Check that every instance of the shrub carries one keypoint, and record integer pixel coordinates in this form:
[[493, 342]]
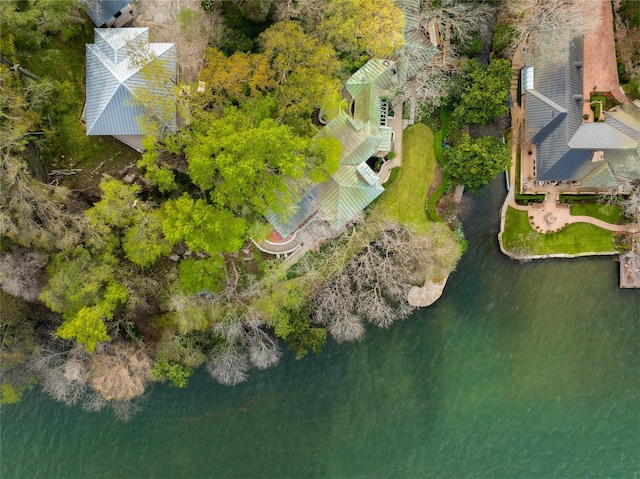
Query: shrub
[[503, 36], [208, 5]]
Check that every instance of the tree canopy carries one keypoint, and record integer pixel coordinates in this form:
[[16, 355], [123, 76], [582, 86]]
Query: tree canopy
[[201, 226], [84, 289], [244, 165], [486, 92], [358, 26], [475, 162]]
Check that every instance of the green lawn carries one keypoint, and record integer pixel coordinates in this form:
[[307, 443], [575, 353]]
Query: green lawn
[[575, 238], [405, 199], [609, 213]]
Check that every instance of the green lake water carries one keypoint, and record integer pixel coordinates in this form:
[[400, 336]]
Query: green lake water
[[518, 371]]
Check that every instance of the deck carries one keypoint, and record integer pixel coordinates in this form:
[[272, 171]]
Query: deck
[[630, 270]]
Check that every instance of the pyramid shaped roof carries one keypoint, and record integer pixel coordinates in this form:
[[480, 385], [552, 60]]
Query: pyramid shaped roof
[[113, 75]]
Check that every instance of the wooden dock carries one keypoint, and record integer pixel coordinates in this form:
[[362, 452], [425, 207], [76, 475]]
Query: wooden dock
[[630, 270]]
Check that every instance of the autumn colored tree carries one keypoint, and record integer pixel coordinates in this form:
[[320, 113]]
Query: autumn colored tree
[[234, 79], [358, 26], [305, 73]]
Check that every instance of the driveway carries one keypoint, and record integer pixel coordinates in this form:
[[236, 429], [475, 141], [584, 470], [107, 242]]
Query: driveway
[[600, 67]]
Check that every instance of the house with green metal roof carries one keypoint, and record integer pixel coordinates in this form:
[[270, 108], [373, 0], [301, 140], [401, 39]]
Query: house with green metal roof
[[349, 190], [363, 134], [368, 91], [564, 147], [113, 76]]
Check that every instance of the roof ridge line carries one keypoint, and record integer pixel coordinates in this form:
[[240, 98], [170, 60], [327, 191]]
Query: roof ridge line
[[104, 107], [547, 100]]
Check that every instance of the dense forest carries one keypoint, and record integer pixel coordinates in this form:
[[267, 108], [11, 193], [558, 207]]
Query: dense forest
[[121, 268]]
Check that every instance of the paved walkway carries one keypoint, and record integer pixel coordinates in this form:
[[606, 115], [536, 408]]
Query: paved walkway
[[397, 126], [551, 216]]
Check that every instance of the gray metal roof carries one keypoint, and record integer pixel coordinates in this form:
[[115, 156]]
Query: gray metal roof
[[626, 118], [600, 177], [102, 10], [565, 145], [543, 116], [113, 77], [572, 165], [600, 136], [554, 108]]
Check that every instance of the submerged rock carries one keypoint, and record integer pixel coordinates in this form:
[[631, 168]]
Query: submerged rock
[[427, 294]]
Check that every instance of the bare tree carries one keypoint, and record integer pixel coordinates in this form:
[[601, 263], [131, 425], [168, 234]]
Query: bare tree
[[456, 20], [548, 22], [34, 214], [382, 275], [22, 273], [429, 87], [627, 190], [262, 349], [228, 364], [119, 371], [310, 12], [374, 284], [63, 372], [125, 410], [94, 402]]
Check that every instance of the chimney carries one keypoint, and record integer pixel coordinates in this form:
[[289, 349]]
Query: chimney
[[577, 97], [577, 64]]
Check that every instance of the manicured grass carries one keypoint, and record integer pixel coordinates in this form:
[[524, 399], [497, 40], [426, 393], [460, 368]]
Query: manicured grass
[[609, 213], [405, 199], [575, 238]]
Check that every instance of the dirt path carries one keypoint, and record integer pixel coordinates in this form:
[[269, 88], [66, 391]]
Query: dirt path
[[163, 19]]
